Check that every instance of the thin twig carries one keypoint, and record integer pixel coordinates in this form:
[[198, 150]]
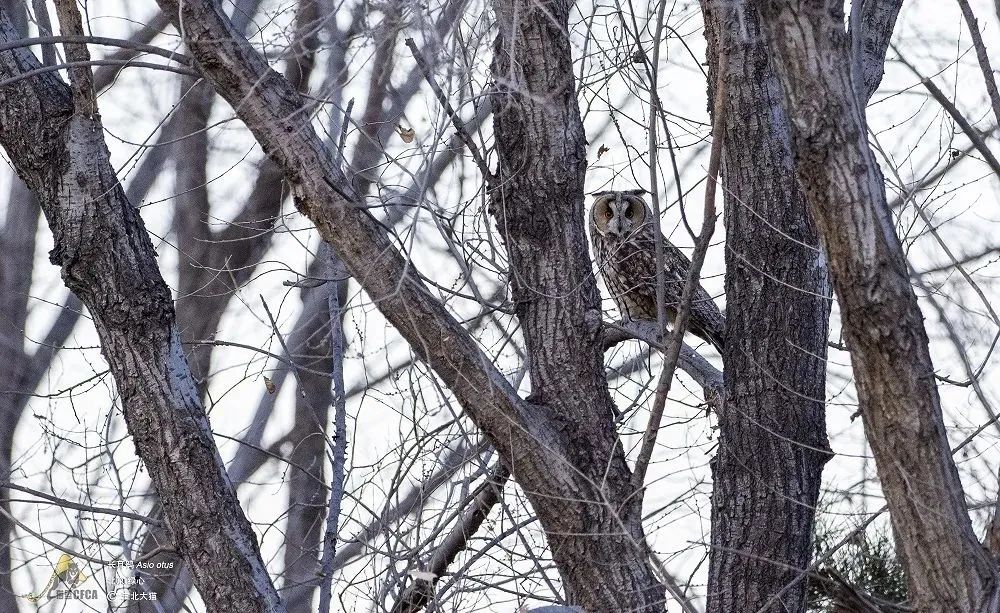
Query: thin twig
[[675, 339], [936, 176], [982, 56], [51, 543], [421, 589], [152, 28], [27, 74], [180, 58], [342, 140], [455, 119], [970, 132], [339, 447], [76, 506]]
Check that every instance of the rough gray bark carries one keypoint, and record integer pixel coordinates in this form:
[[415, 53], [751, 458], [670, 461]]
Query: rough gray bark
[[577, 490], [23, 368], [213, 264], [772, 429], [54, 138], [772, 434], [539, 212], [947, 568]]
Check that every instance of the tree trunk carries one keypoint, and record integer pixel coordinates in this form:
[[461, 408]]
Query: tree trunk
[[17, 255], [580, 492], [772, 430], [947, 568], [599, 547], [307, 492], [55, 140]]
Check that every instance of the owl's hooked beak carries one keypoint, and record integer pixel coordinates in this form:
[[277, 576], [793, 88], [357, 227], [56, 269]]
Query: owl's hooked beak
[[614, 228]]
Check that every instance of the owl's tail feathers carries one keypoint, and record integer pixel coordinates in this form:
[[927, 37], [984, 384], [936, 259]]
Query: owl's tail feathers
[[714, 333]]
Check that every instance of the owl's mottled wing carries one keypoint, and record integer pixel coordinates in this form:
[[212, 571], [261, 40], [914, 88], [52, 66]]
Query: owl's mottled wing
[[627, 266], [629, 270], [707, 321]]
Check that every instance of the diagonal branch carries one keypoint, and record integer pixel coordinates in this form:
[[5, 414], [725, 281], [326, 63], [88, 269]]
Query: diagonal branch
[[982, 56], [421, 590], [321, 191], [105, 75], [675, 339]]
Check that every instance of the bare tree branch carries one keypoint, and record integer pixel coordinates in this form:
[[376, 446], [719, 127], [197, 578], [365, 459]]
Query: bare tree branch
[[105, 75], [982, 56], [420, 591]]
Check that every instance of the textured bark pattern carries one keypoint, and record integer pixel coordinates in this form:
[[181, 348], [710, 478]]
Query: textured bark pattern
[[108, 261], [214, 263], [947, 568], [608, 571], [599, 545], [772, 444]]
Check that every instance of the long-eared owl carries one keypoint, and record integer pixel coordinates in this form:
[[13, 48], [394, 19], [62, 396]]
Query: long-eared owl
[[621, 230]]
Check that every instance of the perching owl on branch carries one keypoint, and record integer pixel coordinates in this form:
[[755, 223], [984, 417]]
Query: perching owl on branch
[[621, 230]]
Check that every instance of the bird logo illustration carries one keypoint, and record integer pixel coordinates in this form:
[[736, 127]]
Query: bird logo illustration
[[66, 571]]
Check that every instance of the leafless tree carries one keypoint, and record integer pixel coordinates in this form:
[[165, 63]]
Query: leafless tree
[[405, 392]]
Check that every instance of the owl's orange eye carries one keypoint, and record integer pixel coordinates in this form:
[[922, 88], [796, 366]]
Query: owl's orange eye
[[609, 214], [628, 213]]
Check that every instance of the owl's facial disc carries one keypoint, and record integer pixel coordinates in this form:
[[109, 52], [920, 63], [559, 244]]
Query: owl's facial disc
[[603, 214], [635, 211], [617, 215]]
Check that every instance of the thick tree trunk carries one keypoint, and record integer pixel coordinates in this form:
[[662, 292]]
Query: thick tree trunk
[[599, 546], [772, 439], [214, 263], [55, 140], [947, 568]]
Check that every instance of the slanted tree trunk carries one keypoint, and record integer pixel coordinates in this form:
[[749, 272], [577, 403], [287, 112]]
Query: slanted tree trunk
[[947, 568], [54, 138], [580, 492]]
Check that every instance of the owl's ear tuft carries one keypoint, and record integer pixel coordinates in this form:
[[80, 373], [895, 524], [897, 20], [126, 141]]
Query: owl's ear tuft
[[628, 192]]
